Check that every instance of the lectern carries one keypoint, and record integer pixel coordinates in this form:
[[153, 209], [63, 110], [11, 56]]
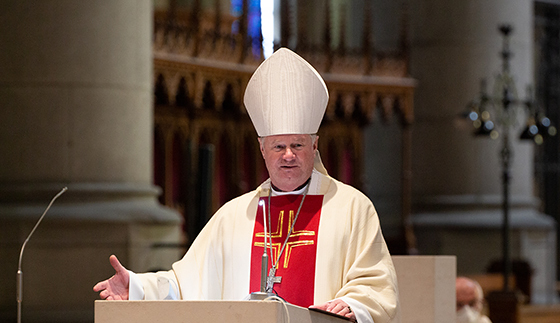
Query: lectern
[[426, 292], [207, 311]]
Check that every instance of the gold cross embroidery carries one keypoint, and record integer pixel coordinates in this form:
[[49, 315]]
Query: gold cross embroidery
[[293, 244], [275, 248]]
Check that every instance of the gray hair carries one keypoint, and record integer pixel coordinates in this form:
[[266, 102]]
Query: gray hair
[[312, 135]]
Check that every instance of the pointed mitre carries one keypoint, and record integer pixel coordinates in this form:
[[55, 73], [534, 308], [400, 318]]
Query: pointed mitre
[[286, 95]]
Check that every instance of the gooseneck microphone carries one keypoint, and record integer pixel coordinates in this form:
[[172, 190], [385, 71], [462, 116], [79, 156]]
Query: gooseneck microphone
[[264, 259], [19, 272], [263, 293]]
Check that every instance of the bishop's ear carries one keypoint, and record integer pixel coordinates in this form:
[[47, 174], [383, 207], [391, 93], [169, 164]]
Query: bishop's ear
[[315, 140]]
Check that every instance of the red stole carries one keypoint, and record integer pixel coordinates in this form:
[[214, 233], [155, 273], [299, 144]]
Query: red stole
[[297, 264]]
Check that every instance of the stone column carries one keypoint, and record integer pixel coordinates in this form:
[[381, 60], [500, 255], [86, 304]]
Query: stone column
[[76, 111], [457, 177]]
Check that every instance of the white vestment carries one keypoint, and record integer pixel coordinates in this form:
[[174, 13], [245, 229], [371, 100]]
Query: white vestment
[[352, 262]]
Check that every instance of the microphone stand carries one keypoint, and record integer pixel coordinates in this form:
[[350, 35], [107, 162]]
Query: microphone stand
[[19, 279], [263, 294]]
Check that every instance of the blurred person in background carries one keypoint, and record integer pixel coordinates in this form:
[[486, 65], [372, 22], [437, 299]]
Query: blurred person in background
[[470, 301]]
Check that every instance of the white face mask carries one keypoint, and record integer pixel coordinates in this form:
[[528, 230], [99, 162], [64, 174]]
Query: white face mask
[[467, 315]]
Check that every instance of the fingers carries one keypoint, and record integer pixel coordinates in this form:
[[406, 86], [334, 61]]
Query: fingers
[[103, 284], [337, 306], [116, 264], [100, 286], [109, 297], [106, 284], [333, 306], [321, 307], [106, 295]]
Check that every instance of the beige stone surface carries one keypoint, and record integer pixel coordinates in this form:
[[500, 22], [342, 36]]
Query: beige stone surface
[[76, 91], [76, 111], [426, 288], [206, 311]]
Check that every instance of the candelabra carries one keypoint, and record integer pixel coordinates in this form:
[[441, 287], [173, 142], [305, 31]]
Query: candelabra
[[494, 116]]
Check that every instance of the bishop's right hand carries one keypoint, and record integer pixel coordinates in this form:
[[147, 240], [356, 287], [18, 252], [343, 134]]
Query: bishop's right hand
[[116, 287]]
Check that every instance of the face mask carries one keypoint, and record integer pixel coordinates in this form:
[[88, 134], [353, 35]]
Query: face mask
[[467, 315]]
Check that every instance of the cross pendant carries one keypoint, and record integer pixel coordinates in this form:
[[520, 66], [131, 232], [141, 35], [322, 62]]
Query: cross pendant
[[272, 279]]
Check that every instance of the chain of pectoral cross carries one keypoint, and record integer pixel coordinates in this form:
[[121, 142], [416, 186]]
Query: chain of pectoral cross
[[272, 278]]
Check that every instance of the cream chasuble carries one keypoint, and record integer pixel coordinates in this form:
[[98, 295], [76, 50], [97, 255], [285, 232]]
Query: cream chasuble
[[351, 260]]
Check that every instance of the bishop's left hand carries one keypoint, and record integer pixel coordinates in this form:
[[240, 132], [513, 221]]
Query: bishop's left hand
[[337, 306]]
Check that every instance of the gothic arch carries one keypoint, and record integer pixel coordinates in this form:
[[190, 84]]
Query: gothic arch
[[183, 97], [159, 162], [161, 92], [229, 102], [208, 97]]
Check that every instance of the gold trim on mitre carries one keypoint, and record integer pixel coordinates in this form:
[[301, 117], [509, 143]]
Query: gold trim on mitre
[[286, 95]]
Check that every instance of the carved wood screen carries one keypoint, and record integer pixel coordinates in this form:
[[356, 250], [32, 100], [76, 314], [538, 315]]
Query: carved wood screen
[[205, 147]]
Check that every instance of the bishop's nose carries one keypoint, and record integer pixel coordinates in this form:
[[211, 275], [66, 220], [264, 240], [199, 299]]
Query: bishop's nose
[[289, 154]]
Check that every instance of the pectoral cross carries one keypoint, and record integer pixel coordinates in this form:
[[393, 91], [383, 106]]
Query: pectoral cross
[[272, 279]]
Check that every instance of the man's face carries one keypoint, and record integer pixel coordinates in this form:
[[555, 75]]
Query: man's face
[[289, 159], [466, 294]]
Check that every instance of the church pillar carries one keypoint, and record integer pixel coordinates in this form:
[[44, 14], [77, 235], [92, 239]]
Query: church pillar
[[76, 111], [457, 177]]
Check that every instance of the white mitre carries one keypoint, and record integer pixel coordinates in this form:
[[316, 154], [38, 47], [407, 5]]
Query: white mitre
[[286, 95]]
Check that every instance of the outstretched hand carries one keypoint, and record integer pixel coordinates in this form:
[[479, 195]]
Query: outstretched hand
[[337, 306], [116, 287]]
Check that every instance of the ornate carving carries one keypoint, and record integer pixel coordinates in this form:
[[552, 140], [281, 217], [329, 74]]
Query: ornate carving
[[203, 72]]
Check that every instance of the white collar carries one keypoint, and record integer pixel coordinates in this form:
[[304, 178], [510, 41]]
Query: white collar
[[280, 193]]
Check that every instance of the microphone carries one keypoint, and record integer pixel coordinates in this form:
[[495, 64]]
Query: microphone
[[263, 293], [264, 259], [19, 280]]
